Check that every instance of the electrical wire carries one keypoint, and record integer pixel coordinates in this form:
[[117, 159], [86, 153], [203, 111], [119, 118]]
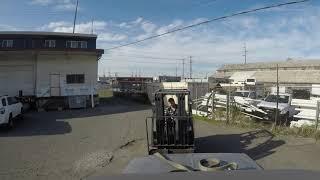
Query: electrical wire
[[152, 52], [206, 22], [147, 21]]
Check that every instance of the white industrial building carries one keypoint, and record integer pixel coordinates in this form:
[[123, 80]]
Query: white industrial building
[[47, 66], [293, 75]]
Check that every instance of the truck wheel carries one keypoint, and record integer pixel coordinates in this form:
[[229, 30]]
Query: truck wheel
[[10, 124], [286, 119], [21, 114]]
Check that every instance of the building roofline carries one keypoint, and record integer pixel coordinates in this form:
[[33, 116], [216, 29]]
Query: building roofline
[[271, 64], [43, 33], [99, 52]]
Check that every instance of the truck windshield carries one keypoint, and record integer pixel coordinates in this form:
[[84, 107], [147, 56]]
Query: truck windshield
[[241, 94], [273, 98]]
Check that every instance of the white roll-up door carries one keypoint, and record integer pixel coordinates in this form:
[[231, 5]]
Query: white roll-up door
[[15, 78]]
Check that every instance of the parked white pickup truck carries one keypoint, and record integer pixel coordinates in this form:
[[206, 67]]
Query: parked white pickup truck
[[10, 109], [286, 110]]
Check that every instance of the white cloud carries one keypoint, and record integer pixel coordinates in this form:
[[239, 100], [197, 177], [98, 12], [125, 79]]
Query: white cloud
[[84, 27], [99, 27], [246, 22], [41, 2], [138, 20], [4, 27], [173, 25], [268, 39], [57, 4], [124, 25], [148, 27], [111, 37], [274, 36]]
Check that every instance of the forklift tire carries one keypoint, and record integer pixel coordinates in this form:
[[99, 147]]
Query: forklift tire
[[285, 120], [10, 124], [152, 151]]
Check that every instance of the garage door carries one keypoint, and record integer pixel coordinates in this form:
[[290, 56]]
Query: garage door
[[16, 78]]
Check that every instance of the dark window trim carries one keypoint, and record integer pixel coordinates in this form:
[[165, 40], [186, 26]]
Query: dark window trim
[[75, 78], [76, 44], [49, 45], [7, 40]]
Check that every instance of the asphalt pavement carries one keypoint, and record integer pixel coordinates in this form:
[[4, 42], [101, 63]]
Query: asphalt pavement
[[75, 144]]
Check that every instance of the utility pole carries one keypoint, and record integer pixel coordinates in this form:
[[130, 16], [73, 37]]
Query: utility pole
[[277, 109], [176, 71], [75, 17], [245, 53], [183, 62], [190, 67], [92, 26]]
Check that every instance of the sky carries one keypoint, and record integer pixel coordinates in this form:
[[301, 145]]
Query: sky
[[269, 35]]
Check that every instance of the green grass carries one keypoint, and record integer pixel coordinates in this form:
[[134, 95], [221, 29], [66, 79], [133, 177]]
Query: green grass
[[105, 93]]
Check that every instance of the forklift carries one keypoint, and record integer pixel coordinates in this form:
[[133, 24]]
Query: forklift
[[172, 143], [171, 128]]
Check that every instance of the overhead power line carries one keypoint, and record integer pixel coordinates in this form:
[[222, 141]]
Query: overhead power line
[[208, 21], [152, 53]]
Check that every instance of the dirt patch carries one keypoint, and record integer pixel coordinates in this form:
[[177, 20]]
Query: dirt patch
[[90, 162]]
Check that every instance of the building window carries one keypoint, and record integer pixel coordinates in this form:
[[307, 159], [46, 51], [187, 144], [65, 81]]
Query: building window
[[7, 43], [83, 44], [50, 43], [75, 78], [251, 80], [76, 44]]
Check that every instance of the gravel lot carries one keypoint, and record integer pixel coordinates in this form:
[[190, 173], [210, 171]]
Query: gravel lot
[[75, 144]]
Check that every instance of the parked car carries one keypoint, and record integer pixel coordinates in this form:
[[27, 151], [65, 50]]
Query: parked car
[[10, 110], [285, 109]]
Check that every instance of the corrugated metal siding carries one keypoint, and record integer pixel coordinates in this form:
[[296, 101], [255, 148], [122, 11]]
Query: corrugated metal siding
[[289, 76], [242, 76]]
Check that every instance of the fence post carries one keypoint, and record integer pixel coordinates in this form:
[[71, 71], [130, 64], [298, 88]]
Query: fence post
[[317, 115], [212, 103], [196, 100], [228, 105], [92, 98], [277, 106]]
